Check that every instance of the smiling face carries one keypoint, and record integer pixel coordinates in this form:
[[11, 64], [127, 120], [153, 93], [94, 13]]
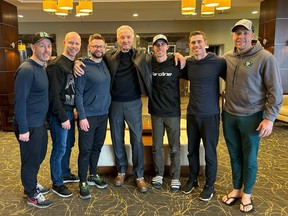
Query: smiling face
[[160, 48], [125, 38], [242, 39], [197, 46], [97, 48], [42, 51], [72, 45]]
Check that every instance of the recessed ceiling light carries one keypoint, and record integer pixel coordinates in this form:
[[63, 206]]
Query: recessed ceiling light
[[254, 12], [20, 16], [135, 15]]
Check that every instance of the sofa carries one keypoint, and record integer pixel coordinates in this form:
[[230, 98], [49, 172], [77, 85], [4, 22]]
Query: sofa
[[283, 114]]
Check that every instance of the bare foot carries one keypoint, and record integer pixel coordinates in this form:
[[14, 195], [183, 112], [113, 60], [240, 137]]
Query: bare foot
[[246, 203], [232, 197]]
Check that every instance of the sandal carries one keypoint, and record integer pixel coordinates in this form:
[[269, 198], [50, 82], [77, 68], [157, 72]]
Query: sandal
[[245, 205], [234, 200]]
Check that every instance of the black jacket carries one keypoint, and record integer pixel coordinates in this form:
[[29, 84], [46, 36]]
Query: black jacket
[[142, 62]]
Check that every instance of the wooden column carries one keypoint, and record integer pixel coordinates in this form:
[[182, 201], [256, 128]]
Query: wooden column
[[9, 62], [273, 27]]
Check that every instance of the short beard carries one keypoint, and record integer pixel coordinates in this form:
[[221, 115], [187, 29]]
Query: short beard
[[97, 57]]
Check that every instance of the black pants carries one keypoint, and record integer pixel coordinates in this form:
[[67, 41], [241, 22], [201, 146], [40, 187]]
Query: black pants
[[207, 129], [90, 145], [32, 154]]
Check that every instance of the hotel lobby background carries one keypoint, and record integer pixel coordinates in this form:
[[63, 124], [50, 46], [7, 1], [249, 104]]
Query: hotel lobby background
[[270, 195]]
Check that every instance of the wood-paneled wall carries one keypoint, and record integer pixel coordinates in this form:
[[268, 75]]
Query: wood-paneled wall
[[273, 26], [9, 62]]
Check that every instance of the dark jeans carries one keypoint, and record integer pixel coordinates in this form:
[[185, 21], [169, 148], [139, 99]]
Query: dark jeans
[[207, 129], [62, 143], [242, 141], [32, 154], [131, 113], [90, 145], [172, 127]]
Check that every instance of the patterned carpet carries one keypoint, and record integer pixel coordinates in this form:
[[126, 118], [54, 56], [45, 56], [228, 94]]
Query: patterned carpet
[[269, 197]]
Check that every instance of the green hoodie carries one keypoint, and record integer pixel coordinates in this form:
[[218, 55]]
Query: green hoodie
[[253, 83]]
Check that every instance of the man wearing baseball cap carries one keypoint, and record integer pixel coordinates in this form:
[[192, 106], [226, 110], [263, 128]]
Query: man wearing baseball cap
[[30, 107], [253, 97], [164, 107]]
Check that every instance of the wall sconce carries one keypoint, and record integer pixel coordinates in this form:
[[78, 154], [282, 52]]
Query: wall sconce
[[21, 48]]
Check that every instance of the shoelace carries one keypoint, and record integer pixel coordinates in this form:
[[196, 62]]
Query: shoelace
[[158, 179], [40, 198], [175, 182]]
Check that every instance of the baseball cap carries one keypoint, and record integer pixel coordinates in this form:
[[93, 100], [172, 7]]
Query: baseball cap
[[41, 35], [160, 37], [245, 23]]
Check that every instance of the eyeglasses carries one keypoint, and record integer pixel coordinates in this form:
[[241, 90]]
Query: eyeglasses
[[98, 47]]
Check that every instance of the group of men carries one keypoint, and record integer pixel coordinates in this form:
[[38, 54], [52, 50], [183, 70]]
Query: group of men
[[110, 85]]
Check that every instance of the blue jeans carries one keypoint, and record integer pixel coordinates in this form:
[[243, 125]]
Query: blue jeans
[[131, 113], [62, 144]]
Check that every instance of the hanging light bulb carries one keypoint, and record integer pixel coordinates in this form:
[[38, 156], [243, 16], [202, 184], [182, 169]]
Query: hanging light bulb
[[49, 5]]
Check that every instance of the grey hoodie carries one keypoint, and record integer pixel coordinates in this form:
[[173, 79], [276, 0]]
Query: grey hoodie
[[253, 83]]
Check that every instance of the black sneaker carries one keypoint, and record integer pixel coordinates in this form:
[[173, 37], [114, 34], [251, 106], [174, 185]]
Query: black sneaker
[[190, 186], [40, 189], [84, 191], [207, 193], [71, 179], [61, 191], [97, 180], [39, 201]]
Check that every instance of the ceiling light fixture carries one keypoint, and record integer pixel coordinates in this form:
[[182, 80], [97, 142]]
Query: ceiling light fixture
[[64, 7], [188, 7], [211, 3], [207, 11], [224, 5]]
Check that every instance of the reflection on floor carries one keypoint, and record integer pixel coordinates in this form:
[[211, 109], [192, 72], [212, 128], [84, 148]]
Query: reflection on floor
[[269, 195]]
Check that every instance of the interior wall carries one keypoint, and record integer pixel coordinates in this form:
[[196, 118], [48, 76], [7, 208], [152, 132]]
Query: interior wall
[[217, 31]]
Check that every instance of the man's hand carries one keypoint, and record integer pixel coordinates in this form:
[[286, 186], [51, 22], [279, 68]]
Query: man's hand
[[84, 125], [66, 125], [24, 137], [265, 127], [181, 59], [78, 71]]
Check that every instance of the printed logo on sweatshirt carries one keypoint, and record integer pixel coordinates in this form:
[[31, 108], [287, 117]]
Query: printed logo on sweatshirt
[[162, 74], [248, 63]]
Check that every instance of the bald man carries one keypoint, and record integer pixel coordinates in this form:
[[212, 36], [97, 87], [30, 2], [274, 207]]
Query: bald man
[[61, 116]]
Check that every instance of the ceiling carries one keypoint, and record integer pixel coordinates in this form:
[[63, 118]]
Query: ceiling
[[122, 10]]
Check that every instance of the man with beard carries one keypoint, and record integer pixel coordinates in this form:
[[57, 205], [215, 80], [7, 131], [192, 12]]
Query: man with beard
[[92, 102], [61, 114]]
